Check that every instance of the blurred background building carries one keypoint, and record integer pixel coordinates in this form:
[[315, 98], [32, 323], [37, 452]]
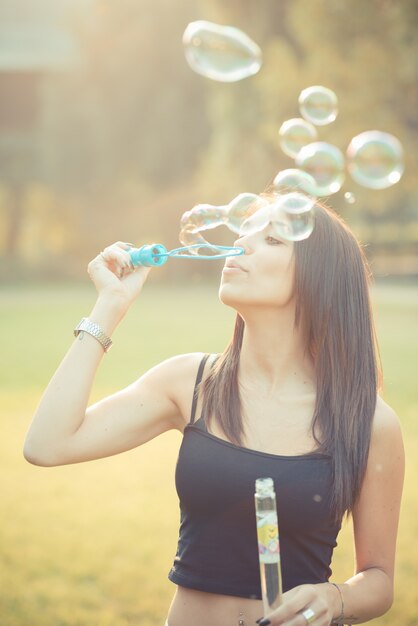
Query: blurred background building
[[36, 42], [107, 134]]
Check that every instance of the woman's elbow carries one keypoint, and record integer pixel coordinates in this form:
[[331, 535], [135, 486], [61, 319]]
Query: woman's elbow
[[388, 602], [33, 458], [387, 595], [39, 457]]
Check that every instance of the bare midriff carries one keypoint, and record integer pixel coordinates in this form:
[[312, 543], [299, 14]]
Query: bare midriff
[[190, 607]]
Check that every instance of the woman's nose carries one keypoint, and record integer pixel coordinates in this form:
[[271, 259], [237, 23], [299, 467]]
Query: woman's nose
[[242, 242]]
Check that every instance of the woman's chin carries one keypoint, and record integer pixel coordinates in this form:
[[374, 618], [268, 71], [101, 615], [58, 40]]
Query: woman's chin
[[231, 296]]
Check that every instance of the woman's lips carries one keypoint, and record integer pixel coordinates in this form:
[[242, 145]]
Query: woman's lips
[[232, 268]]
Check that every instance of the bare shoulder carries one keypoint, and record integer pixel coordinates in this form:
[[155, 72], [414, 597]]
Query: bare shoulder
[[386, 432], [179, 368], [177, 377], [386, 422], [179, 365]]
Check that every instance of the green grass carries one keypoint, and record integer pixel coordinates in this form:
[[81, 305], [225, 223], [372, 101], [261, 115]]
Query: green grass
[[91, 544]]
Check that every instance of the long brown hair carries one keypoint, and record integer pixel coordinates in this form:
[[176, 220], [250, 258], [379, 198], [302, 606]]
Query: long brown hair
[[333, 311]]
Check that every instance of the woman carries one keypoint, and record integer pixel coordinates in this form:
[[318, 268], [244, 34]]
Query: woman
[[294, 397]]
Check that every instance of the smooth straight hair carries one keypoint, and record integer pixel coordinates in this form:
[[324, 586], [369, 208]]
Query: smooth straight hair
[[333, 311]]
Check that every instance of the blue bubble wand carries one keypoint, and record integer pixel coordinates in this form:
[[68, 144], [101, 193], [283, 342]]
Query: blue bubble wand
[[156, 254]]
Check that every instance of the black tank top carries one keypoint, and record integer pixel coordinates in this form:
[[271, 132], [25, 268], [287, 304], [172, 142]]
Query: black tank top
[[217, 548]]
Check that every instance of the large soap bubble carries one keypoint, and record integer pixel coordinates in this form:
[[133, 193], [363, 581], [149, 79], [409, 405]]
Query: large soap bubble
[[294, 134], [293, 179], [191, 238], [242, 207], [257, 221], [249, 213], [203, 217], [318, 105], [325, 163], [375, 159], [292, 216], [222, 53]]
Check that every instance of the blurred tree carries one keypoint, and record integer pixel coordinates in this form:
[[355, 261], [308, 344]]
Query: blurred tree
[[135, 127], [132, 137], [137, 111]]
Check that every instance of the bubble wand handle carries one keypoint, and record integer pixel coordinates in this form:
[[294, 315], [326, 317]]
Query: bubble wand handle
[[149, 255], [156, 254]]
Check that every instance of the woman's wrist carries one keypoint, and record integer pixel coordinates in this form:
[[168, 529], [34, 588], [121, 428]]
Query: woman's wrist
[[108, 312], [336, 602]]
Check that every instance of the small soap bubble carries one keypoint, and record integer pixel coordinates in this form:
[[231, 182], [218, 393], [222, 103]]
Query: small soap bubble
[[222, 53], [318, 105], [375, 159], [292, 216], [292, 178], [349, 197], [240, 208], [325, 163], [294, 134], [317, 498]]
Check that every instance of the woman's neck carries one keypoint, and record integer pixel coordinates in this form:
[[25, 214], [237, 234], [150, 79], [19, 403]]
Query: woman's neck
[[274, 356]]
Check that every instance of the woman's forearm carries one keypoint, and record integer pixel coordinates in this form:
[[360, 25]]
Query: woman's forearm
[[63, 405]]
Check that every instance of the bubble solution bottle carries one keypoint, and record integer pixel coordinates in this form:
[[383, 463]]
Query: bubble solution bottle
[[268, 543]]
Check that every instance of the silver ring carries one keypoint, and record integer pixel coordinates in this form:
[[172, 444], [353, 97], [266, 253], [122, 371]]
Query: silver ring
[[309, 615]]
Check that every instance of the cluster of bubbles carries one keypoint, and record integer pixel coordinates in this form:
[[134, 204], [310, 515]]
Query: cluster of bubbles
[[374, 159], [290, 215]]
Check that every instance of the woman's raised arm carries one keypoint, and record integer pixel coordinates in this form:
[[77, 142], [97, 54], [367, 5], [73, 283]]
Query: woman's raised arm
[[63, 430]]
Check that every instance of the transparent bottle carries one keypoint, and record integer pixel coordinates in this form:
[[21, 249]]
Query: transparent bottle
[[268, 543]]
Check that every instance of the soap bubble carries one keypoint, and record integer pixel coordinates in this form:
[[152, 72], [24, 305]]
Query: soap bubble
[[190, 238], [318, 105], [349, 197], [325, 163], [256, 222], [203, 217], [292, 216], [294, 134], [240, 208], [375, 159], [292, 178], [222, 53]]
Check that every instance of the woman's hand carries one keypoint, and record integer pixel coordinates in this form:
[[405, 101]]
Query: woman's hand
[[315, 605], [114, 275]]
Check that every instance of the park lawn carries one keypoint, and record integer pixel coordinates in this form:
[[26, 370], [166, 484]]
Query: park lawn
[[91, 544]]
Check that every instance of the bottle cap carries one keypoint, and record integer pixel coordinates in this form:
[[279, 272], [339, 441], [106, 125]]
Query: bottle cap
[[264, 486]]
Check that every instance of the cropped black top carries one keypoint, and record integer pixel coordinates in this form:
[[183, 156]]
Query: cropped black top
[[217, 548]]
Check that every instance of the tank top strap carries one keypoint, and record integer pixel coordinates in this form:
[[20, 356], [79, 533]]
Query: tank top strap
[[196, 387]]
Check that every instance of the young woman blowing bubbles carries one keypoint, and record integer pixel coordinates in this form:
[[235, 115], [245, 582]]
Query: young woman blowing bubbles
[[294, 397]]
